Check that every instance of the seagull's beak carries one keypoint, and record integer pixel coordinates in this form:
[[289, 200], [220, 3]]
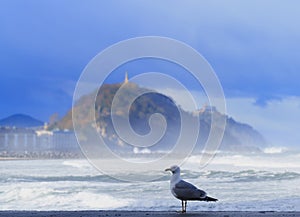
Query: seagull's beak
[[168, 169]]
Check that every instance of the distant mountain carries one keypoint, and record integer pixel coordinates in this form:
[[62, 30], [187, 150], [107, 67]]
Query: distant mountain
[[237, 137], [20, 121]]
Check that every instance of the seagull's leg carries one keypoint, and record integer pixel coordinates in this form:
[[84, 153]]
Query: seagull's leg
[[182, 207], [185, 202]]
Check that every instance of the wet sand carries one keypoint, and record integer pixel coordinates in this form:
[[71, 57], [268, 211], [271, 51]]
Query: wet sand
[[143, 214]]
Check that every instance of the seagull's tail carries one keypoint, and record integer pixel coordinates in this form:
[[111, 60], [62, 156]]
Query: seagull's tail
[[209, 199]]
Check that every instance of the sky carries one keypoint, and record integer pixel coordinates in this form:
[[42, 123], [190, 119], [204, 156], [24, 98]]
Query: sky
[[253, 47]]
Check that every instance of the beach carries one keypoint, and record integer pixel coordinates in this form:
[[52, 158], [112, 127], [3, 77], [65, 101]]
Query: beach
[[145, 213], [67, 185]]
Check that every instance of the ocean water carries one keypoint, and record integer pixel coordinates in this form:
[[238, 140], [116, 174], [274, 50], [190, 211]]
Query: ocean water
[[269, 181]]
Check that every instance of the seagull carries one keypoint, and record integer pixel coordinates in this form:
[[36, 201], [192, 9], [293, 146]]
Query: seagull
[[185, 191]]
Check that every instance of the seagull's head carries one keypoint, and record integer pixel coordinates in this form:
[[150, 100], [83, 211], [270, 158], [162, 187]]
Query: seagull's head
[[173, 169]]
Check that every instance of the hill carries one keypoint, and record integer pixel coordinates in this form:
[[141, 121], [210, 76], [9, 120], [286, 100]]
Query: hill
[[237, 137], [20, 121]]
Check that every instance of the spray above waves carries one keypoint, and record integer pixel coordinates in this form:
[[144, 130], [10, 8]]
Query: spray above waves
[[275, 150], [285, 161]]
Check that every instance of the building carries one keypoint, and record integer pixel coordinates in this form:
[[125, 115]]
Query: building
[[126, 78], [17, 140], [64, 141], [24, 141]]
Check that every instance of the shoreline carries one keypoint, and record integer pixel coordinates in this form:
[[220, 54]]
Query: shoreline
[[108, 213], [23, 158]]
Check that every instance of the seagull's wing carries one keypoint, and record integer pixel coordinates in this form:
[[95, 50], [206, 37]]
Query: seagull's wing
[[186, 191]]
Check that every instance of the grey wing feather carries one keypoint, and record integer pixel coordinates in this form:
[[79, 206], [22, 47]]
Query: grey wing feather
[[187, 191]]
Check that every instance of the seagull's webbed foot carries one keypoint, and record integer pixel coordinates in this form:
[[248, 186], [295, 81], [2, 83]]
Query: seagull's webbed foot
[[180, 211]]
